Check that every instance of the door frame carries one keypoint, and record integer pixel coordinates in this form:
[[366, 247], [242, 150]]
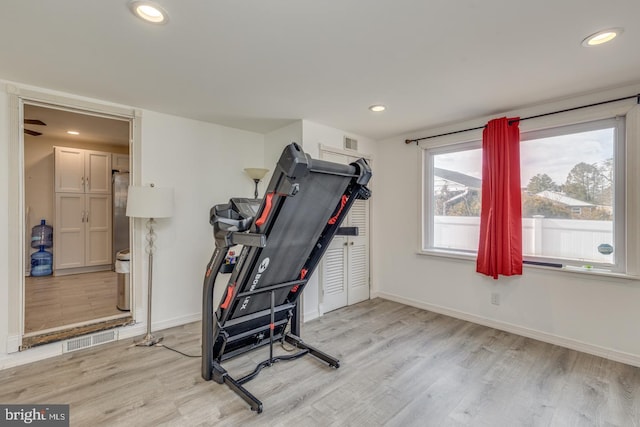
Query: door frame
[[18, 96], [322, 148]]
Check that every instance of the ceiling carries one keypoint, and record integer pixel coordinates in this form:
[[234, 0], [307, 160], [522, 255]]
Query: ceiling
[[90, 128], [260, 64]]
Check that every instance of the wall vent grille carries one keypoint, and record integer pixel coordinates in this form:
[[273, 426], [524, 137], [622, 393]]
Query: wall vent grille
[[89, 341], [350, 143]]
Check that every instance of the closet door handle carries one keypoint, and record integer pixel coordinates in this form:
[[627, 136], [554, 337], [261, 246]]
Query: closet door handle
[[83, 213]]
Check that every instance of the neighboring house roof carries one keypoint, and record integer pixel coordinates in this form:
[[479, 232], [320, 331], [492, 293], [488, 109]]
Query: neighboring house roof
[[459, 178], [565, 200]]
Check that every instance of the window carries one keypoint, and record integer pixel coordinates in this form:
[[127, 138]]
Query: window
[[572, 180]]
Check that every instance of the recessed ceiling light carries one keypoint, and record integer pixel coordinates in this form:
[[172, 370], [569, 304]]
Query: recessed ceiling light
[[73, 132], [149, 11], [377, 108], [601, 37]]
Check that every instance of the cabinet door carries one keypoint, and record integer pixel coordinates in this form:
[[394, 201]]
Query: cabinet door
[[69, 170], [69, 231], [97, 169], [98, 229]]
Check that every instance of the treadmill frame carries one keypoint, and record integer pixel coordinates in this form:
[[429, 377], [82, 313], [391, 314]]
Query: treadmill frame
[[231, 227]]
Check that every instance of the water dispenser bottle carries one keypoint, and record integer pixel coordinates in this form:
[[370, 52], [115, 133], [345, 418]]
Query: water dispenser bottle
[[42, 235], [41, 263]]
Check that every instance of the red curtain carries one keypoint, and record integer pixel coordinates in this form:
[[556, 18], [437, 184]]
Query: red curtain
[[500, 249]]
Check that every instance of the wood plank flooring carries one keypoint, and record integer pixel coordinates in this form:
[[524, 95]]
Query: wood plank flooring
[[400, 366], [54, 301]]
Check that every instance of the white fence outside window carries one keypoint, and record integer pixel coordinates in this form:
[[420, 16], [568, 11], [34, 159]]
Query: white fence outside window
[[548, 237]]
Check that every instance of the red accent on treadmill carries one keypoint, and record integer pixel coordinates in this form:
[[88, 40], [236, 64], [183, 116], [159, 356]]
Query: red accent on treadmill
[[295, 288], [208, 272], [267, 209], [343, 202], [303, 273], [272, 326], [227, 300]]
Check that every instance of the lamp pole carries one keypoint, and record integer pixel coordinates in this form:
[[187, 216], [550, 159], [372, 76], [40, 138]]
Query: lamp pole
[[149, 339]]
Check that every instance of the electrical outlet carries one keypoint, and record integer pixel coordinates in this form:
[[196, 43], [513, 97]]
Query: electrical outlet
[[495, 298]]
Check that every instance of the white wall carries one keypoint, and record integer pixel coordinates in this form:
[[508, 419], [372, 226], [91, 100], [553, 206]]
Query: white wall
[[204, 163], [595, 314], [4, 219], [274, 143], [314, 135]]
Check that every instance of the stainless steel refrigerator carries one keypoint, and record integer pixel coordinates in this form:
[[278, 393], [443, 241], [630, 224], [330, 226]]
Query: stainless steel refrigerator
[[120, 219]]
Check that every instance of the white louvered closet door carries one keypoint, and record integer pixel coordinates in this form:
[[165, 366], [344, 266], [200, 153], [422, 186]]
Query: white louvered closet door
[[345, 266], [334, 275], [358, 253]]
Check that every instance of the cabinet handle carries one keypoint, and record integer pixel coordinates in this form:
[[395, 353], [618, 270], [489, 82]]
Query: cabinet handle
[[346, 244], [82, 216], [351, 243], [87, 217]]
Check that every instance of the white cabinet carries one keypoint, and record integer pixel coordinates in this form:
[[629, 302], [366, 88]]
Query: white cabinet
[[82, 230], [82, 171], [83, 203], [120, 162]]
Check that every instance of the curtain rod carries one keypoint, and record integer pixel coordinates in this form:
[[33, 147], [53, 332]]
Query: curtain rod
[[409, 141]]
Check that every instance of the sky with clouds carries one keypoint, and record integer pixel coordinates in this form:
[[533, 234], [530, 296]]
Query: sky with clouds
[[555, 156]]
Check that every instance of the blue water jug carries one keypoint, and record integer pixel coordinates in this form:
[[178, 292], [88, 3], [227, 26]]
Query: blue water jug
[[41, 263], [42, 235]]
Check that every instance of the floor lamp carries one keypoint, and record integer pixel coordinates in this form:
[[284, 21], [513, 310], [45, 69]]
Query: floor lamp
[[151, 203], [256, 174]]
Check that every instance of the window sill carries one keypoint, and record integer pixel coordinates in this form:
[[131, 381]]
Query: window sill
[[591, 272]]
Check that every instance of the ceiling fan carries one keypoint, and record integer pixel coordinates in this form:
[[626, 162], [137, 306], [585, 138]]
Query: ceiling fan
[[33, 122]]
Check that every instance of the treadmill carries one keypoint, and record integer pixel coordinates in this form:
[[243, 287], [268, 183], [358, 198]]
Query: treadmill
[[283, 238]]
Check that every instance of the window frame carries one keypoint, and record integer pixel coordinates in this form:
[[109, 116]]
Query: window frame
[[626, 163]]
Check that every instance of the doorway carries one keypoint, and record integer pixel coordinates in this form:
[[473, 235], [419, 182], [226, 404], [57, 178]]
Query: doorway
[[344, 272], [70, 159]]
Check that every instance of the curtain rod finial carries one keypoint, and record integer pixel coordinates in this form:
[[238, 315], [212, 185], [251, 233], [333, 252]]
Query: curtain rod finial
[[408, 141]]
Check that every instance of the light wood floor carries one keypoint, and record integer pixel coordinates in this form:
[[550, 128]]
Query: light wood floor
[[400, 366], [54, 301]]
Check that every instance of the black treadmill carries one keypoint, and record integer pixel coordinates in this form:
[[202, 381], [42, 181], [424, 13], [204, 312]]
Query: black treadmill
[[284, 236]]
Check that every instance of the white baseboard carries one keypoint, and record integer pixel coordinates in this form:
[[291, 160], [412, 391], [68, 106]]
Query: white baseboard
[[34, 354], [607, 353], [176, 321], [78, 270], [131, 331]]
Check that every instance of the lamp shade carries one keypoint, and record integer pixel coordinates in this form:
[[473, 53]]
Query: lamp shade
[[256, 173], [149, 202]]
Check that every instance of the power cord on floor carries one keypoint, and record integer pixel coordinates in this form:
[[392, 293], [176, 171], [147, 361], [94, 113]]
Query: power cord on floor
[[177, 351], [291, 349]]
